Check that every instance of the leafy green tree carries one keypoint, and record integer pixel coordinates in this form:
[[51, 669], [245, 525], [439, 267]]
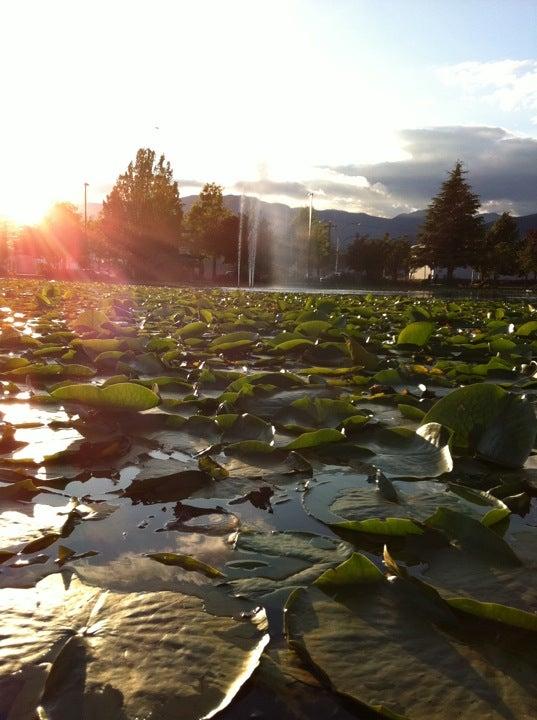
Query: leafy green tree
[[367, 255], [321, 248], [398, 260], [211, 226], [142, 216], [501, 246], [100, 249], [527, 256], [452, 230], [316, 252]]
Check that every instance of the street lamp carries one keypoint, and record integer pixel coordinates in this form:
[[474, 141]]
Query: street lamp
[[310, 195]]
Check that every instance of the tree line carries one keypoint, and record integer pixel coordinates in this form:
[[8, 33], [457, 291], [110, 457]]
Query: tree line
[[453, 235], [144, 233]]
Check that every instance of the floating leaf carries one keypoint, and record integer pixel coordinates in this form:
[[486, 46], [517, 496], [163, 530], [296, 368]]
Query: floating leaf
[[127, 651], [120, 396], [485, 418], [314, 439], [193, 329], [362, 635], [187, 562], [416, 333], [496, 612], [411, 412]]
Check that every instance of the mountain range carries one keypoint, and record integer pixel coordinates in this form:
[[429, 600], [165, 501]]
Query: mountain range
[[280, 218]]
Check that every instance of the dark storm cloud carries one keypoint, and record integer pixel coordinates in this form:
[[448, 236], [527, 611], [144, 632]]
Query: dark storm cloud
[[502, 168]]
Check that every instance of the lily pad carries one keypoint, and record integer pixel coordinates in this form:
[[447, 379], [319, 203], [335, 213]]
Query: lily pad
[[120, 396], [416, 333], [124, 646], [485, 418], [359, 636]]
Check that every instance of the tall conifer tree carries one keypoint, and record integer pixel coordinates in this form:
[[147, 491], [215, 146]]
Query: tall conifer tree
[[452, 230]]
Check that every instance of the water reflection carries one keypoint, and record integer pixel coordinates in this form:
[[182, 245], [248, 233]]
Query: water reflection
[[43, 443]]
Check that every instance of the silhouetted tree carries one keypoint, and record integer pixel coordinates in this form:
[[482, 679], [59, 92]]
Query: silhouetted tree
[[211, 226], [142, 215], [321, 248], [397, 257], [452, 229], [501, 247], [367, 255], [527, 256], [62, 235]]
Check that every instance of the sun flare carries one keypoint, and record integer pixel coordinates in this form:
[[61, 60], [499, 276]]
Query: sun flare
[[24, 209]]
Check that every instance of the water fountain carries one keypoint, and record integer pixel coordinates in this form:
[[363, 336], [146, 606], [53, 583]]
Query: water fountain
[[252, 226], [239, 244], [253, 232]]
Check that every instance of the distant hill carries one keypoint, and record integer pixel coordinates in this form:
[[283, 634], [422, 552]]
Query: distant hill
[[280, 218], [347, 224]]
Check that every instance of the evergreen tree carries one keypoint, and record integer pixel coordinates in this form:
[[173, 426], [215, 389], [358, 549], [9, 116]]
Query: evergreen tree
[[142, 215], [502, 245], [452, 229]]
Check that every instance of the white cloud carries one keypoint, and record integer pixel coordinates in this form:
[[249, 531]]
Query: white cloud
[[509, 84]]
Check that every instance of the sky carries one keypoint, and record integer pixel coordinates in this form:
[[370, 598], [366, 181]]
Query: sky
[[365, 103]]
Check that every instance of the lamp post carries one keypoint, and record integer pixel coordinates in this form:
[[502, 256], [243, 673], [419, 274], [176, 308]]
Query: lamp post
[[329, 224], [310, 218], [336, 267]]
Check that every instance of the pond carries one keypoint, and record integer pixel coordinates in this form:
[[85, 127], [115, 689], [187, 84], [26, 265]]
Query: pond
[[266, 504]]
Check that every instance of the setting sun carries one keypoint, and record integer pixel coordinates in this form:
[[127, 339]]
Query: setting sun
[[24, 210]]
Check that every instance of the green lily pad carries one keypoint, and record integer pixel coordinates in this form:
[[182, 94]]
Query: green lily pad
[[485, 418], [120, 396], [359, 636], [416, 333], [125, 645], [187, 562]]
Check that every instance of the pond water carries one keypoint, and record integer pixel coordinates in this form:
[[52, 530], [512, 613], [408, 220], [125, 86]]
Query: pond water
[[274, 466]]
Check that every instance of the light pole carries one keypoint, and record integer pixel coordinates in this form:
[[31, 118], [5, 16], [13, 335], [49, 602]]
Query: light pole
[[310, 195], [336, 267], [329, 224]]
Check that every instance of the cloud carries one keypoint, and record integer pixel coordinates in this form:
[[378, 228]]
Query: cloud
[[502, 167], [510, 84], [331, 189]]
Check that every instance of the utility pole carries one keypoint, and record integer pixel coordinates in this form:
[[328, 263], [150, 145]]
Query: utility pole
[[329, 224], [336, 265], [310, 194]]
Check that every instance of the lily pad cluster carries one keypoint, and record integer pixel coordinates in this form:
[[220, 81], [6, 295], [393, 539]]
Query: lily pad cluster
[[214, 502]]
